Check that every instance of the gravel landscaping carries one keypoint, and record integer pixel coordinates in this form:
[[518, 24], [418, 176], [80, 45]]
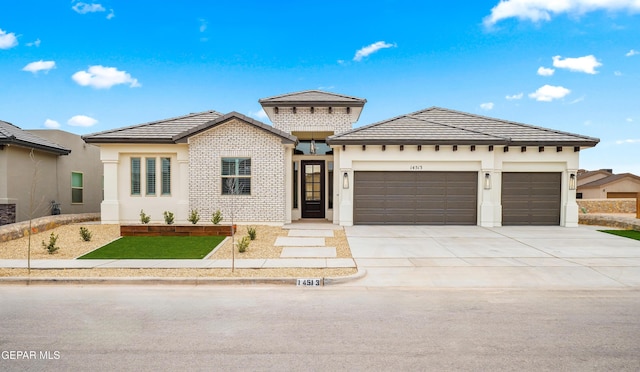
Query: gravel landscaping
[[72, 246]]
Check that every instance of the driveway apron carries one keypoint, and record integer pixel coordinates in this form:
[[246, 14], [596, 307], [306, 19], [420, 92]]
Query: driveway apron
[[545, 257]]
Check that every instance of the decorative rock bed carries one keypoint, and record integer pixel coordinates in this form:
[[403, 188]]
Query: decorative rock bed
[[20, 229]]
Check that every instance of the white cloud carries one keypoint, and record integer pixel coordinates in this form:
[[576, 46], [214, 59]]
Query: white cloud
[[514, 97], [38, 66], [7, 40], [34, 43], [111, 14], [486, 106], [543, 71], [632, 52], [629, 120], [586, 64], [203, 24], [260, 114], [541, 10], [627, 141], [548, 93], [577, 100], [51, 124], [617, 73], [81, 121], [370, 49], [101, 77], [84, 8]]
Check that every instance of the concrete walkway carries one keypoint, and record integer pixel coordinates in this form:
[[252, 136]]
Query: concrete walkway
[[503, 257]]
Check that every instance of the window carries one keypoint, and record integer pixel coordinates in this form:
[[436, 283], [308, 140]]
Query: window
[[151, 176], [135, 176], [166, 175], [236, 176], [77, 187]]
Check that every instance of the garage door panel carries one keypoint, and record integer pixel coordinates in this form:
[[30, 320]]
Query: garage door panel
[[531, 198], [433, 198]]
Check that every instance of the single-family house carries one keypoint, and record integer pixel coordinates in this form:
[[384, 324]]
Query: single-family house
[[434, 166], [38, 167], [603, 184]]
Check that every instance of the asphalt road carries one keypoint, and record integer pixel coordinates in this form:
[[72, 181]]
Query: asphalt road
[[105, 328]]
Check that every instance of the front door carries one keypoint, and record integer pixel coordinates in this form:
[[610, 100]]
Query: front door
[[312, 188]]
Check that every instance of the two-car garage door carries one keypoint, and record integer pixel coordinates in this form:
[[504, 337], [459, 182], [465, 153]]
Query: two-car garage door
[[415, 198], [450, 198]]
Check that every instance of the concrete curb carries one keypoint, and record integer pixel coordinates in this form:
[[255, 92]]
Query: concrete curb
[[169, 281]]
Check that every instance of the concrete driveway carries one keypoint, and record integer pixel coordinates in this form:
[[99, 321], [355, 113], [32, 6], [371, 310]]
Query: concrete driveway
[[503, 257]]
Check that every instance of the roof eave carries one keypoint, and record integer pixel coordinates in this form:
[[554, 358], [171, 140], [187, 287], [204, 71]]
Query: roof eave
[[30, 145], [128, 140], [312, 104]]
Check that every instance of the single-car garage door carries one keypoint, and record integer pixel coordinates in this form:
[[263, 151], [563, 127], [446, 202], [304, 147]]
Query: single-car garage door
[[531, 198], [415, 198]]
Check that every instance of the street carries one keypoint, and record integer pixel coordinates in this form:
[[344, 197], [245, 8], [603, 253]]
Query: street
[[100, 328]]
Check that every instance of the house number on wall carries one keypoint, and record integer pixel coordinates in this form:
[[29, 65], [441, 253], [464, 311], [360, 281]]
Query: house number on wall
[[415, 167]]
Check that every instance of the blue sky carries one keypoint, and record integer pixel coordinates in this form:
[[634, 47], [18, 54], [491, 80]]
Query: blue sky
[[571, 65]]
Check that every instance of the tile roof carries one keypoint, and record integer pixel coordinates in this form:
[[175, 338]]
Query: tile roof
[[12, 135], [161, 131], [437, 125], [610, 179], [312, 98], [177, 130], [182, 137]]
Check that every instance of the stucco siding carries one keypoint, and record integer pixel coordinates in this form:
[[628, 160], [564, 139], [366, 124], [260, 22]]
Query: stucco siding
[[233, 139], [481, 160], [23, 173]]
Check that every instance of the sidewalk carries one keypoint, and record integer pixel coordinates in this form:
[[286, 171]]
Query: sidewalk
[[267, 263]]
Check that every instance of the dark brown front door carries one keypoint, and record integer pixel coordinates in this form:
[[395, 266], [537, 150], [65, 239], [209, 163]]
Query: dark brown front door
[[312, 188]]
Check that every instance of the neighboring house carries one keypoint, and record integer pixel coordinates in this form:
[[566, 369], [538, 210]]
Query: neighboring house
[[63, 168], [435, 166], [602, 184]]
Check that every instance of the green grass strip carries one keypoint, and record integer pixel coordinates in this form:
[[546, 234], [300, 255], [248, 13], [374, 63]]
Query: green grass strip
[[157, 247], [631, 234]]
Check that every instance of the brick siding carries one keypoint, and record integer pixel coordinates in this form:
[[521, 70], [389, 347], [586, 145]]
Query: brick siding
[[321, 120], [238, 139], [7, 214]]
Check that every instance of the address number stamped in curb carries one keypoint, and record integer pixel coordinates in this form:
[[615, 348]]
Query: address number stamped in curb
[[309, 282]]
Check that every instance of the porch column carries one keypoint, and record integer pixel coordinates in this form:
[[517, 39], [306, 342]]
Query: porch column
[[288, 180], [570, 209], [183, 186], [110, 206]]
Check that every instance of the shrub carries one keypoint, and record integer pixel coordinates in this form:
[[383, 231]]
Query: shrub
[[51, 247], [85, 234], [217, 217], [168, 217], [194, 217], [251, 230], [243, 244], [144, 218]]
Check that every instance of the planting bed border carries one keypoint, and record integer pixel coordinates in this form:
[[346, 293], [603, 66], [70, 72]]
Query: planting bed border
[[176, 230]]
